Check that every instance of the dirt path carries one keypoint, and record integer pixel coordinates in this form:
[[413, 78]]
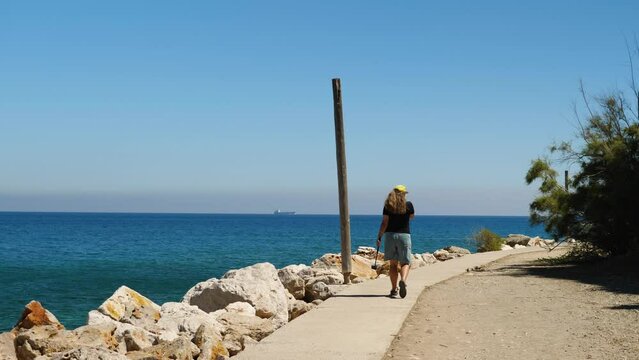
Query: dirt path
[[517, 309]]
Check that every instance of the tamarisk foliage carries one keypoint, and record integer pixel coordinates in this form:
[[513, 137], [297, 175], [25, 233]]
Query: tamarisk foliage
[[601, 204]]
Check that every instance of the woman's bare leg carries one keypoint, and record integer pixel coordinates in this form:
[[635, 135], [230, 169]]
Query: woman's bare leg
[[404, 271], [393, 274]]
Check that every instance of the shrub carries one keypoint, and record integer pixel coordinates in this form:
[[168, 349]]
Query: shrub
[[486, 240]]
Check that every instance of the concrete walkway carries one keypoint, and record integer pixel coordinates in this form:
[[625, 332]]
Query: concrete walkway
[[361, 321]]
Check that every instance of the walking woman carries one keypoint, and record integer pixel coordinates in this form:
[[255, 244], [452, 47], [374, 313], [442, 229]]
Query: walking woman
[[395, 229]]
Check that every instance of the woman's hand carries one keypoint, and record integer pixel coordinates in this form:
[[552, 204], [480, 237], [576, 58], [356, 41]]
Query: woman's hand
[[379, 242]]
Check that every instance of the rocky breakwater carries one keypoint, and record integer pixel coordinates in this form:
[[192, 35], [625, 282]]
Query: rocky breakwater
[[216, 318]]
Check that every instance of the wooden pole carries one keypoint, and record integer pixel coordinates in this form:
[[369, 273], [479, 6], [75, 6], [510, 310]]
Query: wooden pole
[[345, 225], [566, 179]]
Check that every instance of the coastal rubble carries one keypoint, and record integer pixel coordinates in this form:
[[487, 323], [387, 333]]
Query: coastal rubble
[[258, 284], [216, 319], [84, 353]]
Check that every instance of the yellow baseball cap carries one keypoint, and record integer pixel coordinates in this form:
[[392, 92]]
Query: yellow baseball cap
[[400, 188]]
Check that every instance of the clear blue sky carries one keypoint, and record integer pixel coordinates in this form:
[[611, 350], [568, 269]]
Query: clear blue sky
[[207, 106]]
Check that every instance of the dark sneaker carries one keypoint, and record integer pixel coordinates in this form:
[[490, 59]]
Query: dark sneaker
[[402, 289], [393, 294]]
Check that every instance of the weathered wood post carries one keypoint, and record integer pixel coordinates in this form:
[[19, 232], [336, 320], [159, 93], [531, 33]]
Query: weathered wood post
[[345, 223], [566, 179]]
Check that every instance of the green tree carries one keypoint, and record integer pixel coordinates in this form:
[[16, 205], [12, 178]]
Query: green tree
[[601, 206]]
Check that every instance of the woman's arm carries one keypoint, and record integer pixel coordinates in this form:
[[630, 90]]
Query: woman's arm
[[382, 229]]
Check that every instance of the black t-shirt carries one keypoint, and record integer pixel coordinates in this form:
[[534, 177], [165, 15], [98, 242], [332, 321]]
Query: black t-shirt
[[399, 223]]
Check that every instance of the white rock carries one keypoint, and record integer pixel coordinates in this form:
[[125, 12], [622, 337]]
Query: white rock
[[457, 250], [514, 239], [136, 339], [128, 306], [238, 326], [242, 308], [253, 326], [429, 258], [297, 308], [417, 261], [317, 290], [295, 268], [97, 318], [443, 255], [49, 339], [258, 285], [366, 251], [517, 246], [210, 343], [360, 266], [167, 336], [327, 276], [181, 317], [506, 247], [180, 349], [98, 336], [290, 279]]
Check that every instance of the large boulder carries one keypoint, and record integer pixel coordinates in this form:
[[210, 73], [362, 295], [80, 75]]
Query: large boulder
[[443, 255], [297, 308], [128, 306], [7, 349], [239, 327], [129, 337], [43, 340], [429, 258], [370, 253], [516, 239], [136, 339], [506, 247], [317, 290], [210, 343], [290, 279], [49, 339], [328, 276], [457, 250], [36, 315], [185, 318], [99, 336], [259, 285], [360, 266], [179, 349]]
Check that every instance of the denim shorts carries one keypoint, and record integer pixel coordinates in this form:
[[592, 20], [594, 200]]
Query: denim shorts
[[397, 247]]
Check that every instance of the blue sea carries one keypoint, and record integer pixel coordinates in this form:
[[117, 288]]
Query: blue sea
[[72, 262]]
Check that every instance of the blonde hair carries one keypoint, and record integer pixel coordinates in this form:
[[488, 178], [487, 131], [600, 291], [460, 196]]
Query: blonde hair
[[396, 202]]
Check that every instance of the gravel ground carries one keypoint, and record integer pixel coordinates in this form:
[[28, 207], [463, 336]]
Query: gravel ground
[[516, 308]]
